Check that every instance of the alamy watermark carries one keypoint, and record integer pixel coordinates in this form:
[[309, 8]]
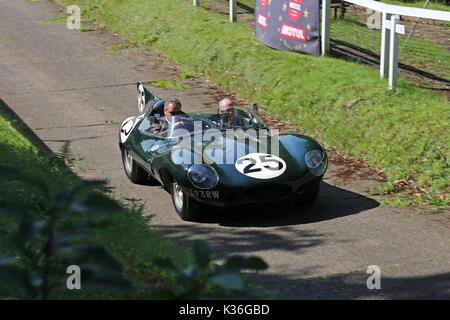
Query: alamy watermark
[[374, 20], [74, 280], [73, 21], [374, 281]]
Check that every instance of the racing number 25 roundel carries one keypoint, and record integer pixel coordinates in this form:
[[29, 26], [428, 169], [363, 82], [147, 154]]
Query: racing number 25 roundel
[[260, 165]]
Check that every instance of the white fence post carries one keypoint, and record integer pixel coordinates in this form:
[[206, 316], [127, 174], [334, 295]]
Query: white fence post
[[385, 39], [232, 10], [393, 52], [196, 3], [326, 8]]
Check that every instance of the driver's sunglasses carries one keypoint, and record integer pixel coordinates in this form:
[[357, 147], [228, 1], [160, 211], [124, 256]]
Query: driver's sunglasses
[[175, 113]]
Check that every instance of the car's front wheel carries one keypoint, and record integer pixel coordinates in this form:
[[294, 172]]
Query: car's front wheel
[[133, 171], [187, 208]]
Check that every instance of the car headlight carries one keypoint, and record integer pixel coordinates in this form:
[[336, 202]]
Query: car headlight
[[202, 176], [316, 161]]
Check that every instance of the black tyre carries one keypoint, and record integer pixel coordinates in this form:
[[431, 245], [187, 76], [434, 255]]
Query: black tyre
[[187, 208], [133, 171]]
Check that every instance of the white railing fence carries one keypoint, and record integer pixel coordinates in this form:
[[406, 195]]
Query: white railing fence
[[390, 25]]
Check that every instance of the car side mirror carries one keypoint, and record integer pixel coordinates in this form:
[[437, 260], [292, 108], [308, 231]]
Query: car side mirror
[[255, 108]]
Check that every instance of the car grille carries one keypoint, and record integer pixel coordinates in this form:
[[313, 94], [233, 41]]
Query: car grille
[[268, 192]]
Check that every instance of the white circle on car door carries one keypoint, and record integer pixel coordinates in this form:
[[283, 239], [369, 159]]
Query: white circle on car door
[[126, 128], [260, 165]]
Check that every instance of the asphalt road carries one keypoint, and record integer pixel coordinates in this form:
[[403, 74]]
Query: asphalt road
[[66, 86]]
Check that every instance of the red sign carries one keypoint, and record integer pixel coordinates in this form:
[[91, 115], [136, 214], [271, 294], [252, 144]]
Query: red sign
[[292, 32], [291, 25], [263, 4], [294, 10], [262, 20]]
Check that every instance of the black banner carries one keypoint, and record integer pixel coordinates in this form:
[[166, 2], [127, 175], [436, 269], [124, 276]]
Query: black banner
[[291, 25]]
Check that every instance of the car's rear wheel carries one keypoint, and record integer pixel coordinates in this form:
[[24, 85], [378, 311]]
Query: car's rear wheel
[[186, 207], [133, 171]]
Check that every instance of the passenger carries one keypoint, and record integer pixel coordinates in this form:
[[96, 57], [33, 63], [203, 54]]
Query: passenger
[[227, 115], [226, 111]]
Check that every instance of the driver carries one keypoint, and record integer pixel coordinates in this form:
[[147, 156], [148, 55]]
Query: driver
[[172, 107]]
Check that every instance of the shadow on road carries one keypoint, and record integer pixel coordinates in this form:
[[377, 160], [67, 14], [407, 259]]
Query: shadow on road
[[240, 238], [333, 202], [231, 241], [354, 286]]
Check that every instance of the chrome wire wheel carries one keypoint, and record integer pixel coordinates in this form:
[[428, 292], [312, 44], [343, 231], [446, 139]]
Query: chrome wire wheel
[[128, 161], [133, 171], [177, 196], [186, 207]]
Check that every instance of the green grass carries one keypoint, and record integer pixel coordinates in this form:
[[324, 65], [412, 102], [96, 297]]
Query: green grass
[[169, 84], [114, 49], [127, 237], [402, 132], [58, 19]]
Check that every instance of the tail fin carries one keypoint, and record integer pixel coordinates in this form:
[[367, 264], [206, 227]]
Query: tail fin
[[145, 97]]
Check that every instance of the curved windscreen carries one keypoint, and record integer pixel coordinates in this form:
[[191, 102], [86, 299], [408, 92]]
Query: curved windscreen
[[238, 117], [234, 117], [184, 124], [245, 118]]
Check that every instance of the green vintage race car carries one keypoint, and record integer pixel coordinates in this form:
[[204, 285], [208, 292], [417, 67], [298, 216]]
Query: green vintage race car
[[203, 160]]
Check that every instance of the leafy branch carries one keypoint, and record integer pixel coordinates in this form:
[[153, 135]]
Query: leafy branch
[[207, 280], [49, 238]]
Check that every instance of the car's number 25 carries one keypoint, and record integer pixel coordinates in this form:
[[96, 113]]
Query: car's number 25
[[260, 165], [263, 159]]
